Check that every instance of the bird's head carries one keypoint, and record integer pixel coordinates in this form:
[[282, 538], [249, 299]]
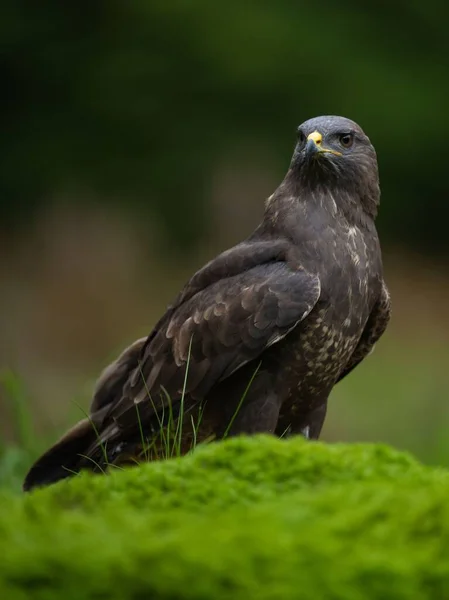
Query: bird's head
[[333, 153]]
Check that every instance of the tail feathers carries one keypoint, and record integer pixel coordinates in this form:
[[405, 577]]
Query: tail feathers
[[62, 459], [68, 455], [110, 384]]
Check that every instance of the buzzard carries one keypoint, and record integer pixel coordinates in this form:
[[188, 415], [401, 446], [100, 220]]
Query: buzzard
[[258, 337]]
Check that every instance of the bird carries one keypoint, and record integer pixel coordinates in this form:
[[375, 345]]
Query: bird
[[258, 337]]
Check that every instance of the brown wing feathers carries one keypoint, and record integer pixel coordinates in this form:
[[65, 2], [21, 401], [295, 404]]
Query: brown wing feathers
[[225, 326]]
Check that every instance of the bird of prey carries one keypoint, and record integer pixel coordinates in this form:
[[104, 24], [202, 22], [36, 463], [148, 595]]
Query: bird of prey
[[258, 337]]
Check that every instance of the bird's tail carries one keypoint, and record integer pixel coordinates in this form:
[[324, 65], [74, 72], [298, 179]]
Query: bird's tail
[[73, 451], [64, 458]]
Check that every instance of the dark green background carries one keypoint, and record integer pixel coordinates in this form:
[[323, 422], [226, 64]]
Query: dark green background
[[137, 97]]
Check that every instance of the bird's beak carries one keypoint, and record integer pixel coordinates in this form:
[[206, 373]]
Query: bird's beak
[[315, 146]]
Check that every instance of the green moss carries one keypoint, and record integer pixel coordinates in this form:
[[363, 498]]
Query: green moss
[[247, 518]]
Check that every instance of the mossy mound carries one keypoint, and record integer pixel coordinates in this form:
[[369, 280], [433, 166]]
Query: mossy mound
[[248, 518]]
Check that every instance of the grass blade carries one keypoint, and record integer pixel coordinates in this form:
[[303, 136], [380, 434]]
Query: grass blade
[[242, 399], [178, 435]]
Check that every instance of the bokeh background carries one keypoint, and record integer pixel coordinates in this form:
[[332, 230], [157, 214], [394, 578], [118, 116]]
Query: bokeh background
[[139, 139]]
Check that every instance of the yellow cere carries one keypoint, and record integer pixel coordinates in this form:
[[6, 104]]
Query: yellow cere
[[316, 137]]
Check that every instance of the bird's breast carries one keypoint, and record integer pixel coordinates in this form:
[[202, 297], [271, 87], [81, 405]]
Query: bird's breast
[[316, 353]]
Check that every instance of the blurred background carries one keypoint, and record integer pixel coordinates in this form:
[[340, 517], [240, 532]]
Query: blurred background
[[139, 139]]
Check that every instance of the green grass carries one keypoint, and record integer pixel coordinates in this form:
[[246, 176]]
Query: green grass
[[245, 518]]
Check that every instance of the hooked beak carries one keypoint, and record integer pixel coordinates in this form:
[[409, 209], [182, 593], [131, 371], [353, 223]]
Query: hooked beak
[[314, 146]]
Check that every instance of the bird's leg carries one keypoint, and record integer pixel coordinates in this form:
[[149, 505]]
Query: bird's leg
[[308, 424], [315, 422]]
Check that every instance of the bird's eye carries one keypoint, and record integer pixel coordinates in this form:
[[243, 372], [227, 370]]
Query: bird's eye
[[346, 140]]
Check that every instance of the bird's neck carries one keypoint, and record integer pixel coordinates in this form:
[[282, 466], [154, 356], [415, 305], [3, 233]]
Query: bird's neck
[[326, 203]]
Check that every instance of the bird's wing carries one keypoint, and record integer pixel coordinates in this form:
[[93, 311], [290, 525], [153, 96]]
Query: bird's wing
[[214, 331], [109, 386], [374, 328]]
